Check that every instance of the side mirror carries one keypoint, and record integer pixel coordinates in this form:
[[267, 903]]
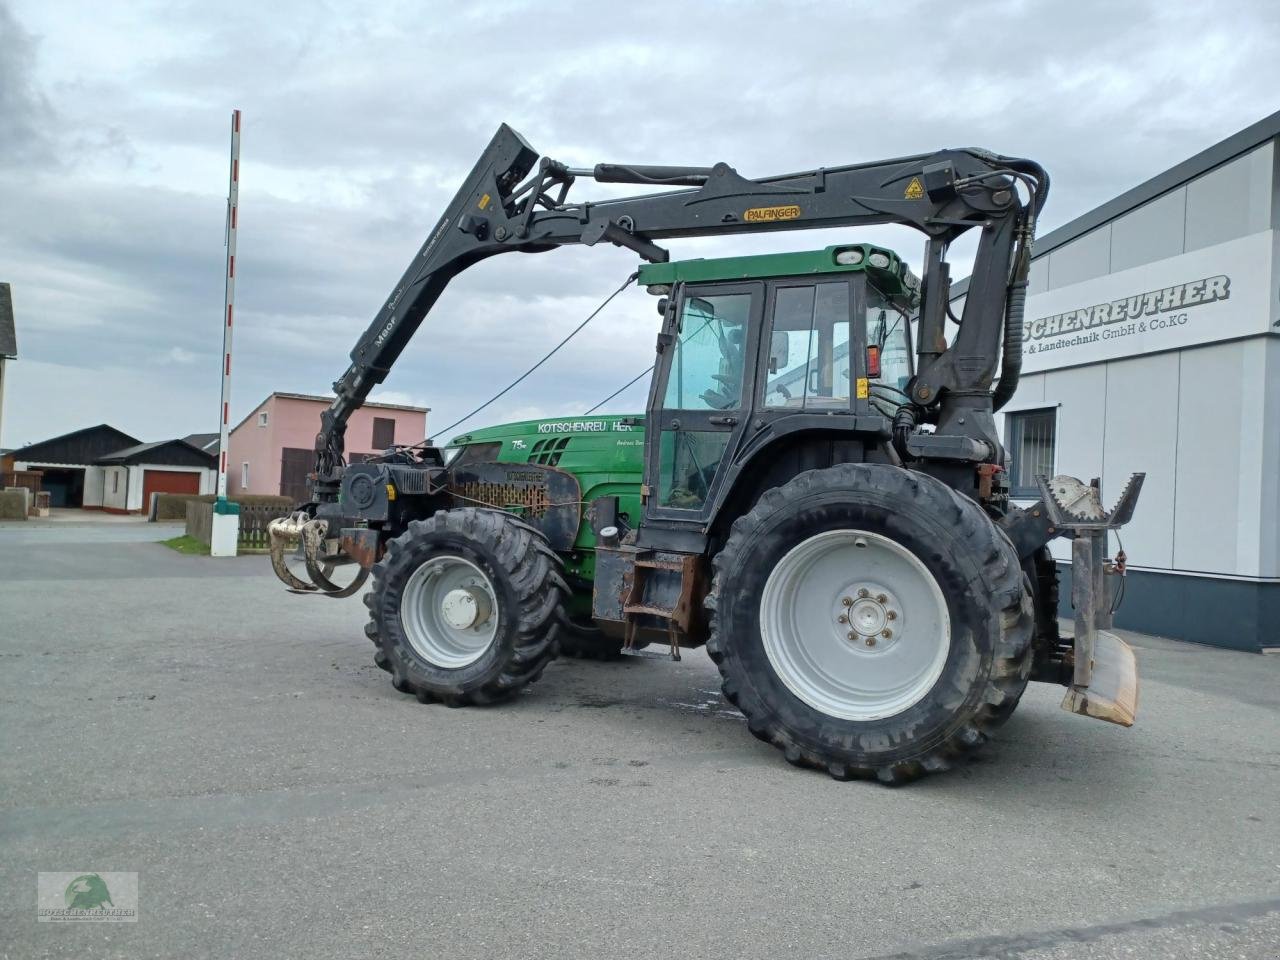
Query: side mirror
[[779, 347]]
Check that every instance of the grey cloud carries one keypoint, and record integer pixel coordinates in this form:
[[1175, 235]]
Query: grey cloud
[[359, 124], [25, 112]]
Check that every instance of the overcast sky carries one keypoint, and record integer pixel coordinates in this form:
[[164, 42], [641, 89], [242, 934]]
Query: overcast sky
[[358, 127]]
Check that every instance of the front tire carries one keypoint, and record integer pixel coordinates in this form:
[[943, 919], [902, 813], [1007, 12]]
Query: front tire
[[466, 606], [870, 621]]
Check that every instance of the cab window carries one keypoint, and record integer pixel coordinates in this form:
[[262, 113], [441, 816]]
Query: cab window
[[888, 328], [808, 365], [710, 354]]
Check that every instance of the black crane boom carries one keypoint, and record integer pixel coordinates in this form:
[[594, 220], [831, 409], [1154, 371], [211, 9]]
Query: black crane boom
[[512, 201]]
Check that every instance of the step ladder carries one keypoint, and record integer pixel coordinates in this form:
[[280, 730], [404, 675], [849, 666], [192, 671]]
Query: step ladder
[[675, 576]]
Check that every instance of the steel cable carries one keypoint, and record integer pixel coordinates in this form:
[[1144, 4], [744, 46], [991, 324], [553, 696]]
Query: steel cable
[[554, 350]]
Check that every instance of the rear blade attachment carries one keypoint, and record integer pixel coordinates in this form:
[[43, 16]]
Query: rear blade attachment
[[1104, 682]]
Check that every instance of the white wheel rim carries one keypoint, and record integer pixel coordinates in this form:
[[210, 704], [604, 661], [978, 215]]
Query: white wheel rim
[[855, 625], [449, 612]]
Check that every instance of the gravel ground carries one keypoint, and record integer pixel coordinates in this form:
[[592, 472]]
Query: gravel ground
[[187, 719]]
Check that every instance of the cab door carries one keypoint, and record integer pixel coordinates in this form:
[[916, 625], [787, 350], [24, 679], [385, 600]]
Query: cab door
[[701, 398]]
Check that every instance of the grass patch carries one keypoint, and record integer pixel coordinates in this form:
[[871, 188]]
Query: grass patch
[[188, 545]]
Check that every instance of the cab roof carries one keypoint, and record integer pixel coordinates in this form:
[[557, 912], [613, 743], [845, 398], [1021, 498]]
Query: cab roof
[[889, 273]]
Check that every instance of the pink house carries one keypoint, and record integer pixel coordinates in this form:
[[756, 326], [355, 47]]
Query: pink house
[[273, 449]]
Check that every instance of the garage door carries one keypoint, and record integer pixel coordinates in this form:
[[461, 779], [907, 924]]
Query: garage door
[[167, 481]]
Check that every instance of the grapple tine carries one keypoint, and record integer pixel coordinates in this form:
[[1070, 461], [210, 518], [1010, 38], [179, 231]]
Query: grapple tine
[[283, 534], [313, 536]]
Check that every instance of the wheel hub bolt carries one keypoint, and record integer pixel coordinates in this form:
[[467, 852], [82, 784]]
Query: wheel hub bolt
[[881, 598], [886, 633], [843, 618], [847, 601], [871, 641], [852, 635], [891, 614], [863, 592]]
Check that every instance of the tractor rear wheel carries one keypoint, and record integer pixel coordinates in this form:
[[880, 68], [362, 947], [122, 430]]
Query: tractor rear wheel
[[870, 621], [466, 607]]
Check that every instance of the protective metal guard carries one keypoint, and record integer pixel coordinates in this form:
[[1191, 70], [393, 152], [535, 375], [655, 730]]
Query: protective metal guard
[[1104, 684]]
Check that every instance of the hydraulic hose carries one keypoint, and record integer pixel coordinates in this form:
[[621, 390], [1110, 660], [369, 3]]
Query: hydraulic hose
[[1011, 358]]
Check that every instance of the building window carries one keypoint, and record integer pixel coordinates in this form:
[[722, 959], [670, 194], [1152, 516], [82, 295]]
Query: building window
[[115, 481], [384, 432], [262, 418], [1032, 434], [244, 476]]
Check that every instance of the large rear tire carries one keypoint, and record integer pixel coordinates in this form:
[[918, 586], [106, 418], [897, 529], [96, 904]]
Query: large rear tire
[[870, 621], [466, 607]]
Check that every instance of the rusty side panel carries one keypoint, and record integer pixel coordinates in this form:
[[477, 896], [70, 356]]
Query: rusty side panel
[[545, 497], [361, 544], [615, 572], [689, 614]]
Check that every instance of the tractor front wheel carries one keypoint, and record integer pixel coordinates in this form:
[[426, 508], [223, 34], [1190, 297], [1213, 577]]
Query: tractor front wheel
[[466, 606], [870, 621]]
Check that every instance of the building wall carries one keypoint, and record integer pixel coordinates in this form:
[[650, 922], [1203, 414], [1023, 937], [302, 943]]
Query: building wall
[[292, 422], [95, 479], [1200, 418], [115, 494], [123, 485], [1234, 200], [255, 445]]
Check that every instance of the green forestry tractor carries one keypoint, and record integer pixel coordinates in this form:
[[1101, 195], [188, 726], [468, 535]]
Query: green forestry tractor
[[816, 490]]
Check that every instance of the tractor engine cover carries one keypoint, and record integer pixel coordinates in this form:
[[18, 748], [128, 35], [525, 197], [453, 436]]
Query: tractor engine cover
[[543, 497]]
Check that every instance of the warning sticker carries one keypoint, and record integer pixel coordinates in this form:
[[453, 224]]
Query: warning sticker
[[484, 201], [864, 388], [766, 214], [915, 190]]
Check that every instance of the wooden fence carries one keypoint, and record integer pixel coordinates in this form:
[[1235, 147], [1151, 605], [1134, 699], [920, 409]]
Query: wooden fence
[[254, 518], [22, 478], [200, 520]]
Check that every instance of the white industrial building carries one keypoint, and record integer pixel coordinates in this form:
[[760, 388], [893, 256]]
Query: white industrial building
[[1152, 343]]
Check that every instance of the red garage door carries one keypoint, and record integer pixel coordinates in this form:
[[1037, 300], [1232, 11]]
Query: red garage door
[[167, 481]]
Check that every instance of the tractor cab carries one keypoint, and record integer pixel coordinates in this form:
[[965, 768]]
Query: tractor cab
[[753, 349]]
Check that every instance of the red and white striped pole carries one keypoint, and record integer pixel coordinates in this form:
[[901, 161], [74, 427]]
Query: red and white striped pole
[[233, 203]]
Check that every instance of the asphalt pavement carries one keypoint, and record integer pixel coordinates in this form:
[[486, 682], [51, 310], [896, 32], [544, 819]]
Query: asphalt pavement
[[187, 719]]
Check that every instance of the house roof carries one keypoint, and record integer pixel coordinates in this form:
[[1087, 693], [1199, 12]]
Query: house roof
[[330, 399], [202, 440], [85, 445], [177, 452], [317, 398], [8, 338], [1268, 128]]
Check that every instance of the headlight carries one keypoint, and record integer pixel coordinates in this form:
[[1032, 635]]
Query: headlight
[[878, 260], [850, 258]]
